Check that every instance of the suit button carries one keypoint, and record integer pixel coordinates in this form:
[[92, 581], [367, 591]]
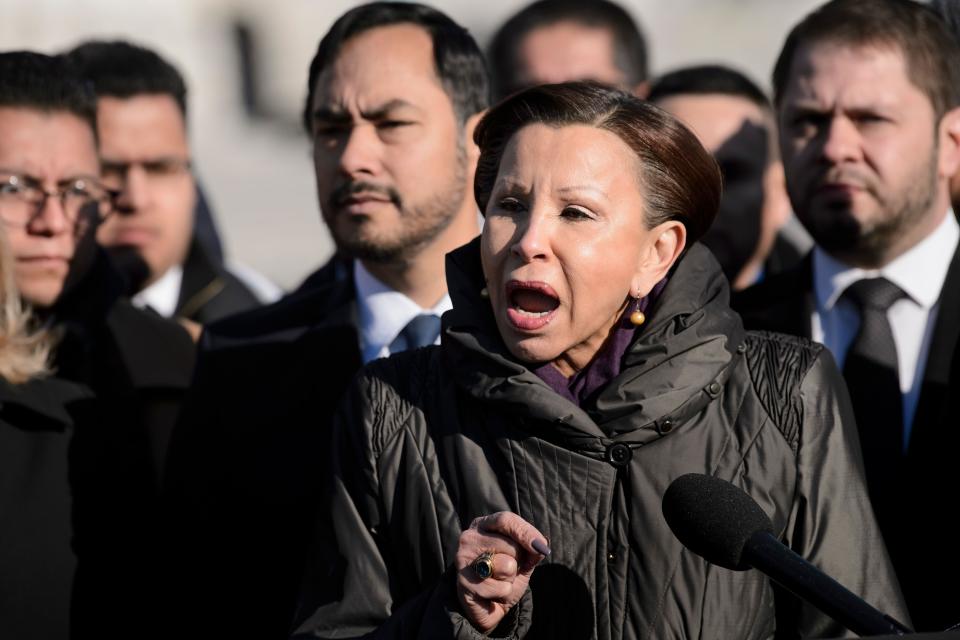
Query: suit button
[[713, 388], [666, 426], [619, 454], [611, 557]]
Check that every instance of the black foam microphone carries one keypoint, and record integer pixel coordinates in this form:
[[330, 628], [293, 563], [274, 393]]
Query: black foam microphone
[[724, 525]]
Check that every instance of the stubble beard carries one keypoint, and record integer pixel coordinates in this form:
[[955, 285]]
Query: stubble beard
[[868, 243], [419, 223]]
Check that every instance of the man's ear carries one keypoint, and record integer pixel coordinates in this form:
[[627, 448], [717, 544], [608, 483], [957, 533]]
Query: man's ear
[[641, 89], [473, 151], [668, 241], [949, 132]]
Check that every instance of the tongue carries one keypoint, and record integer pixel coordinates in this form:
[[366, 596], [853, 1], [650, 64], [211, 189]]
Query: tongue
[[533, 301]]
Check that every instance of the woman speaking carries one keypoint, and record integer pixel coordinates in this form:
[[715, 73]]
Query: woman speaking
[[508, 483]]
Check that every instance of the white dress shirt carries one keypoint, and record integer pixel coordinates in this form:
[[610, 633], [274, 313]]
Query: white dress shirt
[[920, 272], [162, 295], [384, 313]]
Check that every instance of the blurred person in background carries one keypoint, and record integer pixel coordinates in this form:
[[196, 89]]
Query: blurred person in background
[[560, 40], [394, 92], [137, 364], [868, 106], [145, 155], [734, 120]]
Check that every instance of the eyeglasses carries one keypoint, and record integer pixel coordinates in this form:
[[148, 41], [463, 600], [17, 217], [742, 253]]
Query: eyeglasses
[[83, 200], [115, 173]]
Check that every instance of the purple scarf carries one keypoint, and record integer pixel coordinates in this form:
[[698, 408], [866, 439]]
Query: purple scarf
[[606, 364]]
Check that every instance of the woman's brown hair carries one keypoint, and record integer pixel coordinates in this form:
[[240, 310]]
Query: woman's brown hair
[[679, 178]]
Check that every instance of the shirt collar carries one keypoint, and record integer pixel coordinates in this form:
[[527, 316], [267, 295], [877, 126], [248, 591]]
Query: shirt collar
[[920, 272], [385, 312], [163, 295]]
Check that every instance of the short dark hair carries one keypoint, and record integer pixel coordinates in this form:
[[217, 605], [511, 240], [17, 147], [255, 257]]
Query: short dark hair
[[119, 69], [458, 60], [708, 79], [630, 47], [931, 54], [949, 12], [46, 83], [679, 178]]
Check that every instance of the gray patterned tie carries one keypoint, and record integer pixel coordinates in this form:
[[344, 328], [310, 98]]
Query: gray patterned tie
[[873, 378], [419, 332]]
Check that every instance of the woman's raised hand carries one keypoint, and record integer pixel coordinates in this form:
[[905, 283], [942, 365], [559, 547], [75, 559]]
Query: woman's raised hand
[[496, 557]]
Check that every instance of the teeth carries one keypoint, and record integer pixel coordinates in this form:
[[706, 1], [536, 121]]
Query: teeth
[[531, 314]]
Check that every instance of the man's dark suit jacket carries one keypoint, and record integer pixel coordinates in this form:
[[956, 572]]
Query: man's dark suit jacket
[[920, 538], [138, 365], [247, 460]]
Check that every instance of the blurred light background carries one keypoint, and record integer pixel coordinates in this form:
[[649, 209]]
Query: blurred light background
[[246, 63]]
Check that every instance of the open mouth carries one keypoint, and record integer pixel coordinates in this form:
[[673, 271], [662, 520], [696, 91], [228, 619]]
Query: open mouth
[[531, 305]]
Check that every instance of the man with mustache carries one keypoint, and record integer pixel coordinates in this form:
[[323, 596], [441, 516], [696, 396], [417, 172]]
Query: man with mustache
[[394, 93], [867, 93]]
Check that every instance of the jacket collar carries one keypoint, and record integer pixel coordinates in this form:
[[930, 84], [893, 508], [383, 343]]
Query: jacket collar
[[690, 341], [41, 404]]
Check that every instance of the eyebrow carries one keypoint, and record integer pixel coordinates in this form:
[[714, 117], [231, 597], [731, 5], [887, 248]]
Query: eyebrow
[[378, 113], [583, 187], [61, 181]]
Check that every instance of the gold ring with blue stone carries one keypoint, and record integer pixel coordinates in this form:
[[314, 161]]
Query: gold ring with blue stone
[[483, 565]]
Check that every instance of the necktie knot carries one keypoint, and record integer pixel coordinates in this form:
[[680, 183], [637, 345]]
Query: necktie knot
[[874, 294], [419, 332]]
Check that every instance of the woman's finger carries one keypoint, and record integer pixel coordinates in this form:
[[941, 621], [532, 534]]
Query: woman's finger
[[474, 542], [513, 526], [490, 590]]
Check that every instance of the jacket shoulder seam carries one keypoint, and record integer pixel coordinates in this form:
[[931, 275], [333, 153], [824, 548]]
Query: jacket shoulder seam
[[778, 365]]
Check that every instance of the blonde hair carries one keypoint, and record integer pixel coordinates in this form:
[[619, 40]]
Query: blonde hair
[[24, 350]]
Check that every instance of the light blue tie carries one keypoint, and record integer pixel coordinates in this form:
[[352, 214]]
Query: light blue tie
[[419, 332]]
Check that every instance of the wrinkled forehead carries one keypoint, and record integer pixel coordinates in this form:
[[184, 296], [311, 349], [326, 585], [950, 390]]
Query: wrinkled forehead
[[826, 67]]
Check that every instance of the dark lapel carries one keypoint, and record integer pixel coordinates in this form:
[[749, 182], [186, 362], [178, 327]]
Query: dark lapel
[[926, 430], [201, 282], [783, 303], [296, 325]]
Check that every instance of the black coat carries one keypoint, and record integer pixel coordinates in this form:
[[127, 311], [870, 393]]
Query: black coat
[[248, 456], [928, 571], [37, 562], [209, 292], [138, 366]]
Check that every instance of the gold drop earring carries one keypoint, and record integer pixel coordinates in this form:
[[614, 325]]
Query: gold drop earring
[[637, 318]]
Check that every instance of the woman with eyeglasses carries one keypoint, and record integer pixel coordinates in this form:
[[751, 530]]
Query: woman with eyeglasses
[[508, 483]]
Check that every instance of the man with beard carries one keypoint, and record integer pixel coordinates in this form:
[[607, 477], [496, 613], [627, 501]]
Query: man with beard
[[394, 93], [867, 93]]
